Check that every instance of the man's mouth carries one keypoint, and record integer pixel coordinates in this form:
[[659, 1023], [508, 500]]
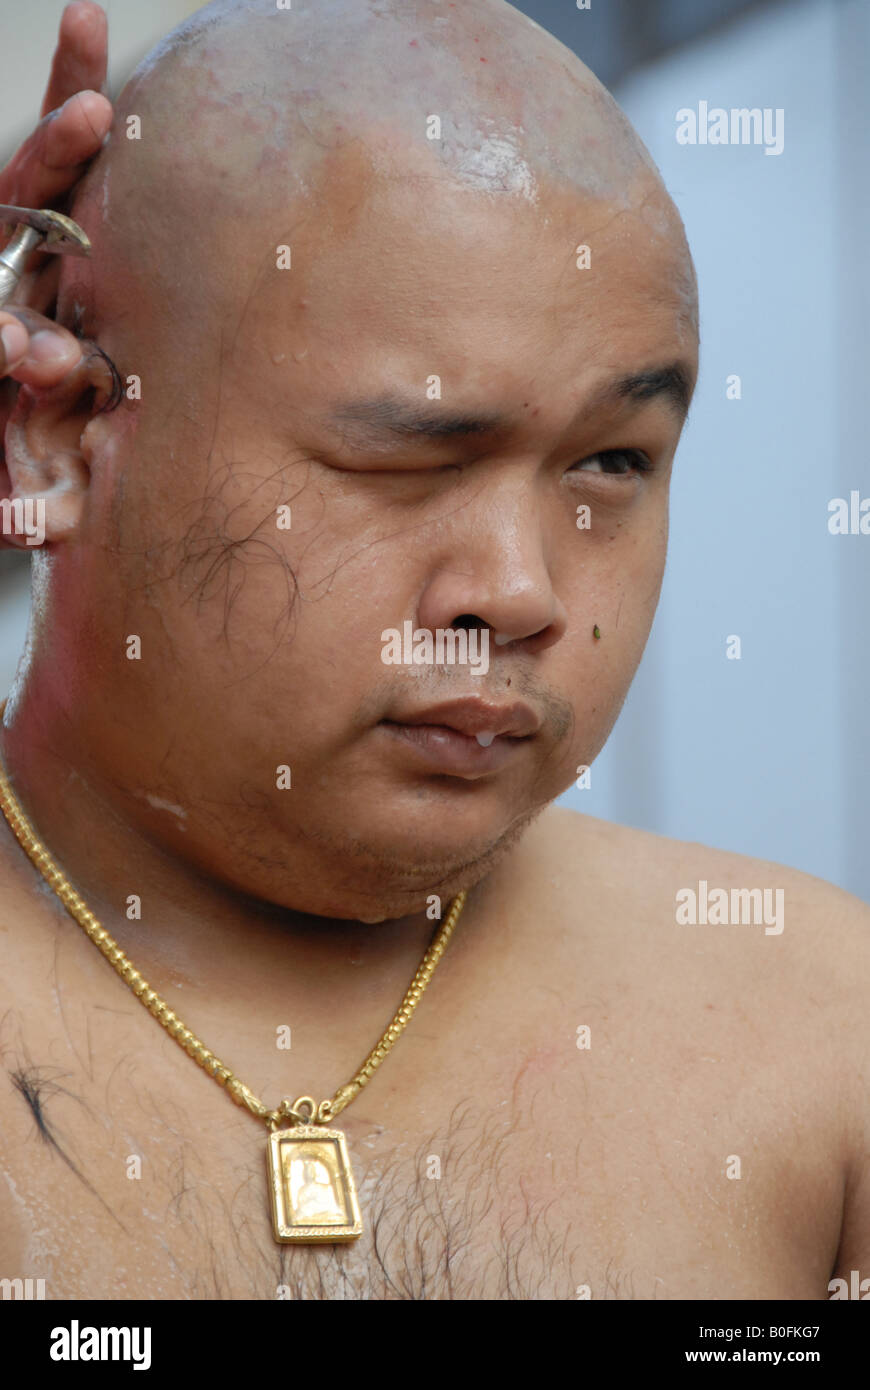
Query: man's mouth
[[465, 738], [455, 754]]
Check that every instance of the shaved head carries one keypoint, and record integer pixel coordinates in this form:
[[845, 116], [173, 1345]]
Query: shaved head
[[271, 120], [397, 295]]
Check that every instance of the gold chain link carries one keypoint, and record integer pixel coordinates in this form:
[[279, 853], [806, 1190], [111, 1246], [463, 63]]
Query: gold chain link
[[79, 910]]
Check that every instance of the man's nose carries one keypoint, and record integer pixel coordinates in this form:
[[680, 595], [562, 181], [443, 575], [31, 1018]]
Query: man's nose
[[498, 576]]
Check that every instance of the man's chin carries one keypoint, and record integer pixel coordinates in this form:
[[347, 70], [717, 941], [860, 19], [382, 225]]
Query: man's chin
[[371, 877]]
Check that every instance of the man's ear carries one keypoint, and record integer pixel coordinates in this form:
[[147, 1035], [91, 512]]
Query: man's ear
[[44, 486]]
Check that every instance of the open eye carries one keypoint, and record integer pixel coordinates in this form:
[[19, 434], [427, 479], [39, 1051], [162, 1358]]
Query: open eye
[[616, 462]]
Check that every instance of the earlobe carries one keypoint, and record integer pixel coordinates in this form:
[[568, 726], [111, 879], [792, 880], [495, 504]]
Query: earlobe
[[48, 474]]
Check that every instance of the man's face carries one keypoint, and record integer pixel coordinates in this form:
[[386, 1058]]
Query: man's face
[[264, 645]]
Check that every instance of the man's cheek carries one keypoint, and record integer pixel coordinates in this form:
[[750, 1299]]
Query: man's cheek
[[628, 583], [601, 654]]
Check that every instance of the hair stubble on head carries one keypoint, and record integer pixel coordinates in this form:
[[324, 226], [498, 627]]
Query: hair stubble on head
[[250, 116]]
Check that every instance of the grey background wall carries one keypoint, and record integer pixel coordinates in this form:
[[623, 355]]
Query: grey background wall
[[768, 755]]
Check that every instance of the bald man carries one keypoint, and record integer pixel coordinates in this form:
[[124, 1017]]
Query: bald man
[[368, 379]]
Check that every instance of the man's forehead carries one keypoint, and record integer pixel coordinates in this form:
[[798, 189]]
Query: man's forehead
[[371, 332], [504, 305], [448, 252]]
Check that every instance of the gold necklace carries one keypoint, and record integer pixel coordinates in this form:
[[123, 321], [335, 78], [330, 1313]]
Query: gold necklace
[[313, 1194]]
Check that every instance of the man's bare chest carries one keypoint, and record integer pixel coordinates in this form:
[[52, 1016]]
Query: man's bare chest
[[514, 1199], [627, 1136]]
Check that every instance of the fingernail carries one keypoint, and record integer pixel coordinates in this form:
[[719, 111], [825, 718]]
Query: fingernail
[[15, 339], [46, 347]]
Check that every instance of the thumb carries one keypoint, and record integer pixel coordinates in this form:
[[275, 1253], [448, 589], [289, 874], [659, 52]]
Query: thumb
[[35, 350]]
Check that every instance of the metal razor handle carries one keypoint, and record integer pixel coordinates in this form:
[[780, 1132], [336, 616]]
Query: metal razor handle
[[38, 229]]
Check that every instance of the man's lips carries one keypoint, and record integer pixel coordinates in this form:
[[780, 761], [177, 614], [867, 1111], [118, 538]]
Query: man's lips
[[465, 737], [474, 716], [447, 751]]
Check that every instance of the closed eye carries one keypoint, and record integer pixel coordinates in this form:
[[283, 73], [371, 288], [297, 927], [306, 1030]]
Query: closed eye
[[615, 462]]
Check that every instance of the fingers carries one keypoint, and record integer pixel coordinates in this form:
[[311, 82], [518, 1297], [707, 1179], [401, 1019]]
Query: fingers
[[14, 341], [79, 61], [73, 135], [76, 119], [34, 350], [50, 160]]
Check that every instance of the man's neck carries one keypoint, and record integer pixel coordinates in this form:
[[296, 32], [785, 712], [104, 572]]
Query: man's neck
[[202, 945]]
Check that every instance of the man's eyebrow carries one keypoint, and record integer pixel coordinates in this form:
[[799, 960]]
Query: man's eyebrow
[[389, 415], [673, 383]]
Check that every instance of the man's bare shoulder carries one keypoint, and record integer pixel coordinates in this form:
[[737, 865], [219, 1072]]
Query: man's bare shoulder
[[725, 998], [642, 862], [792, 985], [780, 927]]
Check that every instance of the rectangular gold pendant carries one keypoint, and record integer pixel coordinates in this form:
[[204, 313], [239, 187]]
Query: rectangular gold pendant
[[310, 1180]]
